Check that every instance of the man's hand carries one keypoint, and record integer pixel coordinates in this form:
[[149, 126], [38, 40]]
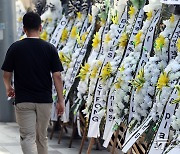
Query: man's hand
[[10, 92], [60, 108]]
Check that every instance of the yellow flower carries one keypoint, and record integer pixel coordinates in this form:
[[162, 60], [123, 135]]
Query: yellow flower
[[44, 35], [74, 32], [78, 39], [163, 80], [149, 15], [132, 11], [118, 83], [64, 92], [94, 72], [89, 18], [64, 59], [159, 42], [178, 44], [20, 19], [79, 15], [123, 40], [103, 21], [84, 36], [96, 40], [107, 38], [115, 19], [172, 19], [49, 19], [139, 81], [83, 71], [21, 38], [64, 35], [137, 38], [121, 69], [106, 72]]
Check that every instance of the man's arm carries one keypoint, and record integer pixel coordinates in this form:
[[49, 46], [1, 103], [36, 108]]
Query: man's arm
[[59, 88], [7, 77]]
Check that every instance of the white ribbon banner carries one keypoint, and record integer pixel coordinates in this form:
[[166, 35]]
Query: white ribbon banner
[[132, 139], [137, 27], [58, 31], [110, 112], [171, 1], [98, 104], [83, 30], [162, 134], [173, 48], [148, 44], [78, 62]]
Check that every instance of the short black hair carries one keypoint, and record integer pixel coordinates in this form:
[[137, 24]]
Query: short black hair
[[31, 21]]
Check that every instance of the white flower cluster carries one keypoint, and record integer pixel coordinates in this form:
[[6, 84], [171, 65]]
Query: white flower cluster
[[122, 95], [51, 16], [176, 124], [143, 98]]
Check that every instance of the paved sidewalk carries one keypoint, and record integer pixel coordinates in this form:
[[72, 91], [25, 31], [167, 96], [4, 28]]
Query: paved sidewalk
[[9, 142]]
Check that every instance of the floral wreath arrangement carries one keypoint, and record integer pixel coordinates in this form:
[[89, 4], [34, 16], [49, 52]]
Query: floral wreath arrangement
[[49, 18], [126, 74], [149, 75]]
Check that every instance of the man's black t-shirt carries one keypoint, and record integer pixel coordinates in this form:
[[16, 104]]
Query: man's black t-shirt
[[32, 60]]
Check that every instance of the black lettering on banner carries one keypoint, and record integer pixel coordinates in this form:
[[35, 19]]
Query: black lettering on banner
[[59, 29], [79, 62], [95, 111], [137, 28], [137, 135], [111, 49], [98, 91], [134, 33], [78, 46], [84, 29], [109, 54], [168, 115], [130, 49], [56, 34], [75, 68], [157, 145], [117, 37], [156, 19], [111, 103], [131, 42], [165, 125], [53, 41], [114, 42], [151, 29], [112, 97], [73, 75], [98, 106], [63, 23], [95, 119], [110, 117], [148, 38], [121, 26], [97, 98], [161, 135], [143, 63], [110, 110], [100, 86], [133, 109], [123, 21]]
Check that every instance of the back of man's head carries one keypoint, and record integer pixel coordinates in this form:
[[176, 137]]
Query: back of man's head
[[31, 21]]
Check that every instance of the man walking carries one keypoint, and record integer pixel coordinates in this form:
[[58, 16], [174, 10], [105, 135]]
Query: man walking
[[33, 62]]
